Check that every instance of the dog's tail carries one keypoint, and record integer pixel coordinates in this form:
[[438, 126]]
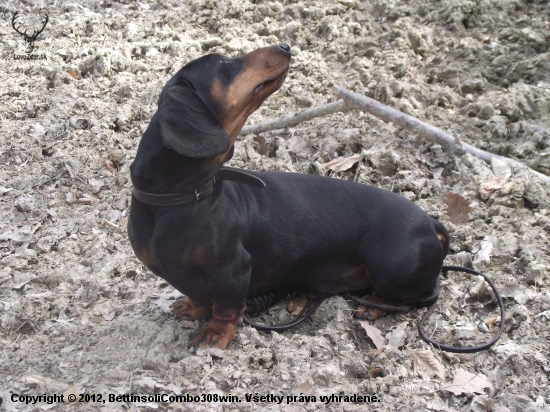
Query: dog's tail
[[442, 235]]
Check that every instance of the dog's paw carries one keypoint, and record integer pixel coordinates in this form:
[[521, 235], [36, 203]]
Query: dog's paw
[[186, 309], [217, 334], [365, 313]]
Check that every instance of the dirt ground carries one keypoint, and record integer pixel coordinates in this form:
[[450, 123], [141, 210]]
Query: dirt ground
[[79, 314]]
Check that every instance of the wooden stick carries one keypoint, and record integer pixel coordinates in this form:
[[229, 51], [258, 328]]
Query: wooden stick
[[432, 133], [293, 119]]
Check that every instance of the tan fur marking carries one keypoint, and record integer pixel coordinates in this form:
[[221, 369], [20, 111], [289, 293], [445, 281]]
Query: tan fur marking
[[195, 256], [144, 255], [220, 331], [442, 240]]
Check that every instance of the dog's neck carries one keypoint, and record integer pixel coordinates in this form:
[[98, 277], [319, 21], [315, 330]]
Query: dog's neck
[[160, 170]]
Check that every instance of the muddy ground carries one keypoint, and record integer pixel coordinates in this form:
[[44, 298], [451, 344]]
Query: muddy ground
[[79, 314]]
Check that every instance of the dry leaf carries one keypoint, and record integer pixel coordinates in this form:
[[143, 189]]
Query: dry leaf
[[374, 334], [296, 304], [483, 255], [79, 292], [390, 128], [187, 324], [251, 152], [519, 293], [466, 383], [374, 372], [84, 318], [29, 309], [396, 339], [490, 186], [262, 149], [342, 163], [233, 378], [109, 317], [73, 74], [490, 322], [457, 208], [426, 364], [73, 390], [210, 353], [107, 164], [35, 381]]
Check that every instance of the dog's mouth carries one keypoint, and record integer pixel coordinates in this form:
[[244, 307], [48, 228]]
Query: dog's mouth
[[270, 82]]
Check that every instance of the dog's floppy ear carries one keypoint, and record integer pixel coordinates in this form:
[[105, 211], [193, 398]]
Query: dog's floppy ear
[[188, 125]]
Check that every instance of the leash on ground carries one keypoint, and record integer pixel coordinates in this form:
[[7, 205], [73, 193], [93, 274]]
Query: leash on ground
[[256, 305]]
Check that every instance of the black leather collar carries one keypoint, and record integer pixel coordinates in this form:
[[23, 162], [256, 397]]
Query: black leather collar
[[177, 199]]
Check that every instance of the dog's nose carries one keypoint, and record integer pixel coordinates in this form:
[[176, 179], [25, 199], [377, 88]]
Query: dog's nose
[[284, 47]]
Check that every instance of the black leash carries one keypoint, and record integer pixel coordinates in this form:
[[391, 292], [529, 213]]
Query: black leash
[[256, 305], [471, 349]]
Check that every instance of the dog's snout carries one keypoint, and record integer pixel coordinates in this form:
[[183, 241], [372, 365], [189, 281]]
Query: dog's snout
[[284, 47]]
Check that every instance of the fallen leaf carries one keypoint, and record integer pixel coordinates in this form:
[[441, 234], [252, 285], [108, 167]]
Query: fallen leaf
[[110, 316], [251, 152], [426, 364], [73, 390], [208, 351], [29, 309], [147, 384], [296, 304], [488, 187], [84, 319], [262, 149], [390, 128], [483, 255], [519, 293], [187, 324], [374, 372], [466, 383], [79, 292], [342, 163], [457, 208], [20, 286], [374, 334], [501, 168], [107, 164], [73, 74], [165, 300], [233, 378], [35, 381], [490, 322], [296, 144], [396, 339]]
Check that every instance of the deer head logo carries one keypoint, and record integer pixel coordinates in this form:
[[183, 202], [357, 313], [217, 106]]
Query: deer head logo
[[29, 39]]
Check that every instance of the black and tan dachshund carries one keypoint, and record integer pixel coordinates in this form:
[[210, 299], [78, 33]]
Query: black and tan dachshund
[[219, 236]]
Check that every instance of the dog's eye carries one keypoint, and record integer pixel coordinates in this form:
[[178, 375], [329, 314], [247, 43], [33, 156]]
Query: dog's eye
[[258, 88]]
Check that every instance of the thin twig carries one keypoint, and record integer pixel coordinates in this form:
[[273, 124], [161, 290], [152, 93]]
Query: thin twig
[[293, 119]]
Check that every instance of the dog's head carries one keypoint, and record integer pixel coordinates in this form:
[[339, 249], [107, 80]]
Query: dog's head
[[203, 108]]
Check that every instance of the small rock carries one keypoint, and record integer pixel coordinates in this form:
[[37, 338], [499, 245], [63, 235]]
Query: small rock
[[525, 149], [116, 156], [537, 274], [501, 168]]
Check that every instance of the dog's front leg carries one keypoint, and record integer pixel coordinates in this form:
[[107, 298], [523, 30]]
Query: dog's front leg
[[229, 289]]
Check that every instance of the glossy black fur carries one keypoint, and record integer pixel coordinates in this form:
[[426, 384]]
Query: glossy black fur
[[315, 234]]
